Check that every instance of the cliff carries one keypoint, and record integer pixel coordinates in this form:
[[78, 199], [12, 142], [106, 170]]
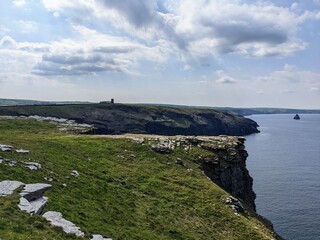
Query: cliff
[[225, 164], [124, 186], [121, 118], [228, 168]]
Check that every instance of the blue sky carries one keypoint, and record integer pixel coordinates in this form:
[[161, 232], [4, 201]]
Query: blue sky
[[207, 52]]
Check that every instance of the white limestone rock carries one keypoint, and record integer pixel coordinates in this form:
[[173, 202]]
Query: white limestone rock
[[32, 192], [6, 148], [56, 219], [99, 237], [235, 205], [34, 166], [23, 151], [33, 207], [12, 163], [75, 173], [7, 187]]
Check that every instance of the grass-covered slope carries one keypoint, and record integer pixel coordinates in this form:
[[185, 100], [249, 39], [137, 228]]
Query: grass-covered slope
[[21, 102], [12, 102], [121, 118], [124, 191]]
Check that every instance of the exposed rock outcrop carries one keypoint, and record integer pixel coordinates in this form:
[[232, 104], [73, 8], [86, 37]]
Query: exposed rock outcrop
[[99, 237], [228, 169], [33, 207], [56, 219], [23, 151], [7, 187], [32, 200], [163, 146], [9, 148], [32, 165], [34, 191], [6, 148], [64, 125], [235, 205], [74, 173]]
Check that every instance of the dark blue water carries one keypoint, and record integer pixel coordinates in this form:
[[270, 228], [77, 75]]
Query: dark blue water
[[284, 161]]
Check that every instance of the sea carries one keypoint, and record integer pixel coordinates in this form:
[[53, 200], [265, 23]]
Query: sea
[[284, 161]]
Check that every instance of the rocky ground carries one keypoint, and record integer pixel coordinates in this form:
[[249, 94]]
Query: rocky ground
[[32, 199]]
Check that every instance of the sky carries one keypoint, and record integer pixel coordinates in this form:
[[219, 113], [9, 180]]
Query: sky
[[231, 53]]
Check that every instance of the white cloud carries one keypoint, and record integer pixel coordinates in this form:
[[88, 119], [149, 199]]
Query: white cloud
[[7, 43], [198, 28], [316, 89], [292, 74], [90, 53], [19, 3], [224, 78], [27, 26], [265, 49]]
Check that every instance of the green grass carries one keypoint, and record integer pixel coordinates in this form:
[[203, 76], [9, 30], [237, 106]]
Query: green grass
[[124, 191]]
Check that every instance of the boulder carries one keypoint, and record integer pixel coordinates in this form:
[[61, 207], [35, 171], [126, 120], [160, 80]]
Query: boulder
[[56, 219], [35, 191], [7, 187], [33, 207]]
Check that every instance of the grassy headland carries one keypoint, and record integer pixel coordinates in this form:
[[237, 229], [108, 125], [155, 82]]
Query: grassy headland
[[124, 190], [124, 118]]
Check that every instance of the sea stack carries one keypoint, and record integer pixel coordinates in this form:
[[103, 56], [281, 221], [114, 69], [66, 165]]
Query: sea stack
[[296, 117]]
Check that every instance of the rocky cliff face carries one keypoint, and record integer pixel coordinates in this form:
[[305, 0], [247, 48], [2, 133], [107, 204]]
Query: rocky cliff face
[[225, 166], [228, 169]]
